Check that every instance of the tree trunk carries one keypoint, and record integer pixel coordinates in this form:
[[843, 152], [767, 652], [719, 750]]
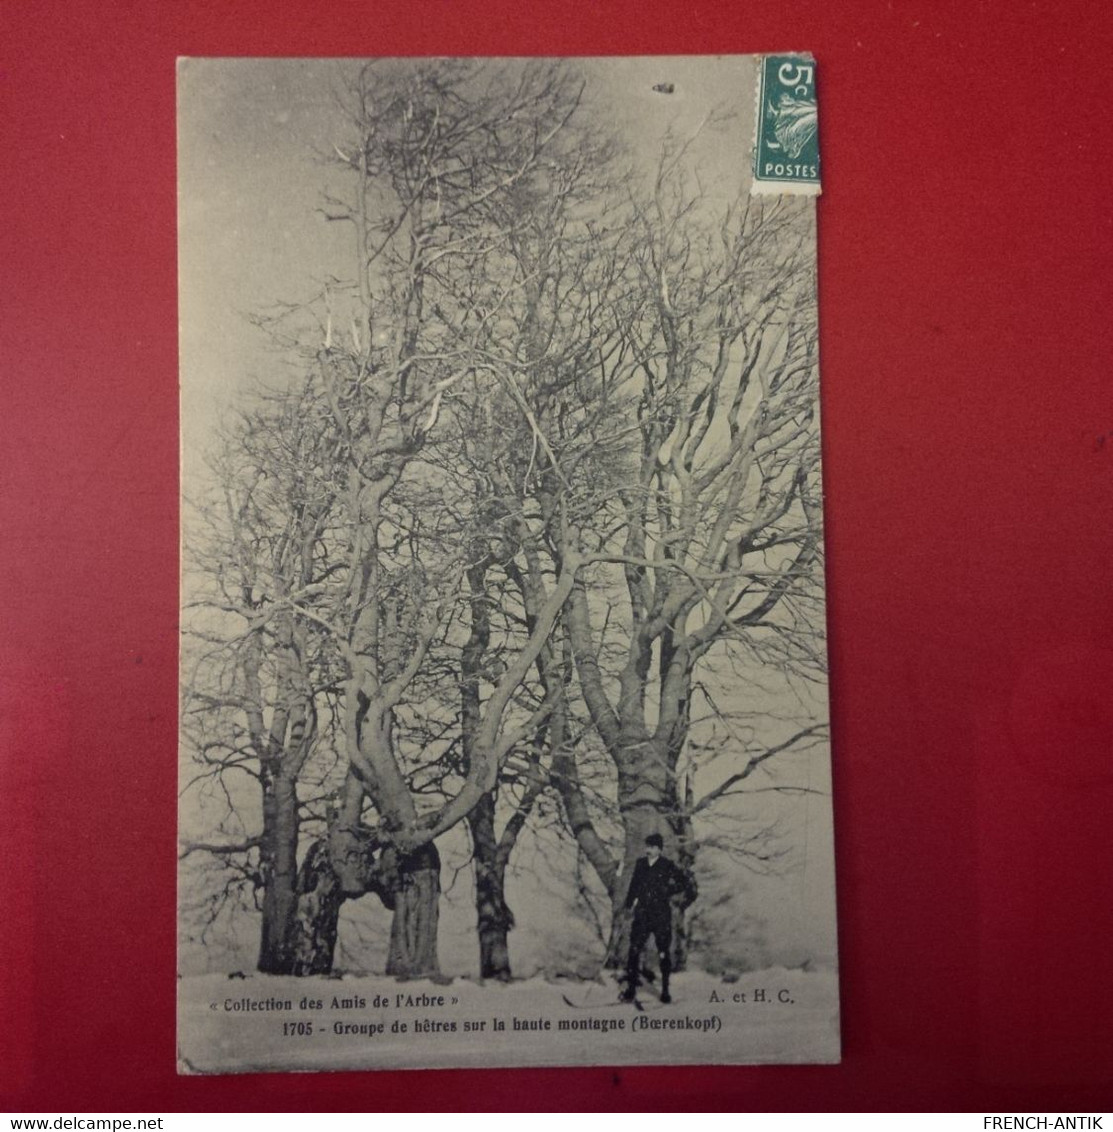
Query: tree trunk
[[414, 885], [279, 870], [494, 919], [686, 859], [566, 777], [343, 866], [320, 895]]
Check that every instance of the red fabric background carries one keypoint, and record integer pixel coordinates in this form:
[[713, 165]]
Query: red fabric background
[[966, 235]]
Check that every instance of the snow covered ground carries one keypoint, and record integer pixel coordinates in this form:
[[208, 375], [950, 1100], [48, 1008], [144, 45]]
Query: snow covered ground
[[260, 1023]]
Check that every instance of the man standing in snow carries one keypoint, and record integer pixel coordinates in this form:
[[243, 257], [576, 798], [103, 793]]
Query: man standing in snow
[[655, 883]]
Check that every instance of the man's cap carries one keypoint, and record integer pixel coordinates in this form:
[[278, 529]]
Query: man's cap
[[655, 839]]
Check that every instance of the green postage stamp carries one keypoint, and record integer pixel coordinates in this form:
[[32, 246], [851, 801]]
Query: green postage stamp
[[786, 127]]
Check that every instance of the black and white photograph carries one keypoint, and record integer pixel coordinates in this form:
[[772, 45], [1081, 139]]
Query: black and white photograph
[[504, 729]]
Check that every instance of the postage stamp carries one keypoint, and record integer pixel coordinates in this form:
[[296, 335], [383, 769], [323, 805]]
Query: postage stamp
[[786, 127]]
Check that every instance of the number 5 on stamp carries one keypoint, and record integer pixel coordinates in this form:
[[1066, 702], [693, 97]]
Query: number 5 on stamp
[[786, 127]]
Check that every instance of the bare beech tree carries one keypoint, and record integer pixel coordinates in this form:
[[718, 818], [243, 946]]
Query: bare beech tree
[[257, 675], [558, 257], [714, 542]]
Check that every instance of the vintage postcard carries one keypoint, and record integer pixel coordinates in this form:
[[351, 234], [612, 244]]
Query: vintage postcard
[[504, 725]]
